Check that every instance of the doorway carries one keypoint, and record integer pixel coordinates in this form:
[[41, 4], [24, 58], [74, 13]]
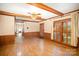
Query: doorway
[[19, 30], [42, 30]]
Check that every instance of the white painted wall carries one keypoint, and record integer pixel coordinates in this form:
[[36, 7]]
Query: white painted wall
[[47, 26], [6, 25], [32, 27]]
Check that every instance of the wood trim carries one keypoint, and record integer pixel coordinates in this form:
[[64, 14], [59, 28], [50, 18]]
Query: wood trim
[[66, 45], [29, 21], [18, 15], [61, 16], [66, 31], [13, 14], [7, 39], [78, 42], [31, 34], [72, 11], [47, 35], [47, 8]]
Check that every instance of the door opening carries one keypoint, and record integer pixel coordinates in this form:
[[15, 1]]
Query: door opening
[[19, 30], [42, 30]]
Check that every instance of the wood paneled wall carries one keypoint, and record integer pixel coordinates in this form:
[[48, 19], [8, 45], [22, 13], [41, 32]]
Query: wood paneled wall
[[47, 36], [31, 34], [7, 39]]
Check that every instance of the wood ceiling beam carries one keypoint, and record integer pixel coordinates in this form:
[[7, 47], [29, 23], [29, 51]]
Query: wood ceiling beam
[[18, 15], [47, 8], [13, 14]]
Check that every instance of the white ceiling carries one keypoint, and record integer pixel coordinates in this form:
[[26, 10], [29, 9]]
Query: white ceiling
[[64, 7], [21, 8], [24, 9]]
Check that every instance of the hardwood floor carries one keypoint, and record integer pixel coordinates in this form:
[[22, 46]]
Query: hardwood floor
[[37, 47]]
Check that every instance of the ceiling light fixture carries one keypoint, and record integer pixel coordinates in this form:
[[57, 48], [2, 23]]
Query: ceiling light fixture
[[35, 15]]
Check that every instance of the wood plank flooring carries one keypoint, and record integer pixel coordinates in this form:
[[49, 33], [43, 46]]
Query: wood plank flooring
[[37, 47]]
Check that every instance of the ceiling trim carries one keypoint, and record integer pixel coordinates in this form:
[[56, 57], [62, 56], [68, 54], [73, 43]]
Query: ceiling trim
[[28, 20], [61, 16], [64, 14], [72, 11], [47, 8]]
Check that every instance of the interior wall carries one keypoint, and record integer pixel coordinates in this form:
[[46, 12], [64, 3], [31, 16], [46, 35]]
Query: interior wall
[[47, 29], [31, 27], [48, 26], [6, 25], [7, 34], [74, 27]]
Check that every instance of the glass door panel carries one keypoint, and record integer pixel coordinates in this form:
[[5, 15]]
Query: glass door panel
[[58, 36], [64, 38], [69, 25], [64, 32], [69, 31], [69, 38], [54, 35], [64, 26]]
